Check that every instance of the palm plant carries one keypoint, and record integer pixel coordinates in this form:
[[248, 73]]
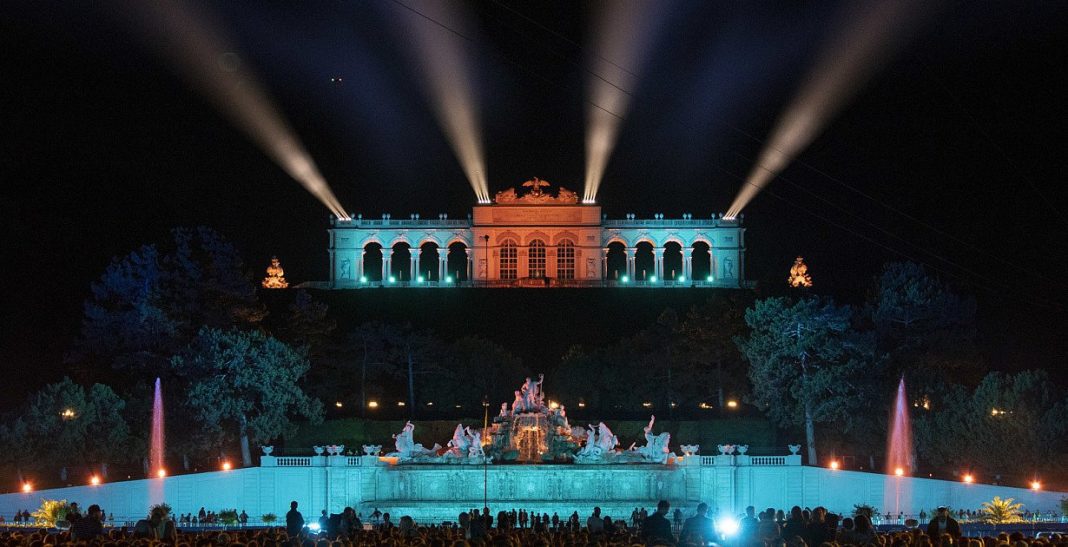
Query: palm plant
[[269, 518], [1001, 511]]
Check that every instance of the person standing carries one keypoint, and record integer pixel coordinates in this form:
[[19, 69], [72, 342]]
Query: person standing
[[294, 520], [656, 527], [88, 527], [942, 523], [698, 528], [595, 524]]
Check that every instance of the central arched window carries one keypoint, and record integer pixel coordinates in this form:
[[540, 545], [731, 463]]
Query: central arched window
[[536, 258], [509, 259], [565, 259]]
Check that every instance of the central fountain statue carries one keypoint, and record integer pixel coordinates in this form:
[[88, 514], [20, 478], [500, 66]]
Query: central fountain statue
[[532, 431]]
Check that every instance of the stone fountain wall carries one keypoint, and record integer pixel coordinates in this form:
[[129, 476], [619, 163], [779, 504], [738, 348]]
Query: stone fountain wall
[[439, 492]]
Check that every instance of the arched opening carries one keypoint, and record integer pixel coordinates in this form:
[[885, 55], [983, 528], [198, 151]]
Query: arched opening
[[509, 259], [456, 264], [400, 264], [429, 263], [644, 264], [673, 262], [617, 261], [565, 259], [702, 261], [536, 258], [372, 262]]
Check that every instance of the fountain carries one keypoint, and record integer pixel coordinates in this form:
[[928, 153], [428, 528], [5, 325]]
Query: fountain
[[155, 453], [898, 452]]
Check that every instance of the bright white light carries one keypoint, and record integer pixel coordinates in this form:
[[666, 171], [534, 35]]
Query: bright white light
[[392, 279], [94, 480], [313, 526], [205, 57], [419, 279], [844, 65], [27, 488], [727, 526], [682, 279], [624, 279], [434, 31], [448, 279], [652, 278], [709, 278], [363, 279], [623, 39]]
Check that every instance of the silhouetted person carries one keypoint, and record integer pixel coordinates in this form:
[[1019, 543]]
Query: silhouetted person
[[942, 523], [698, 528], [88, 527], [657, 528], [294, 520]]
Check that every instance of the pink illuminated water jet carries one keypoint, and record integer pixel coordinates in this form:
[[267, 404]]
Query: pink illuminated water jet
[[897, 492], [899, 444], [155, 453]]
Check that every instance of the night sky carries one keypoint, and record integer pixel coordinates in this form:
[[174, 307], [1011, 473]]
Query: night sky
[[105, 148]]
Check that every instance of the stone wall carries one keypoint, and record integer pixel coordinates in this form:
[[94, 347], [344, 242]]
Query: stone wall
[[439, 492]]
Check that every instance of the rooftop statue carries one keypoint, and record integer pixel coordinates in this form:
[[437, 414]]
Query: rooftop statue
[[537, 194], [275, 275], [656, 446]]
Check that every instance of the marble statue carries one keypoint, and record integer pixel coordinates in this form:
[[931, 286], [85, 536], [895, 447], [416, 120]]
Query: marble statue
[[407, 448], [656, 446], [460, 442], [690, 449], [504, 410]]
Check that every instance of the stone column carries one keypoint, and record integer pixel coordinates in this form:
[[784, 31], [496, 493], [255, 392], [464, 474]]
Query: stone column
[[658, 259], [632, 253], [687, 267], [385, 267], [604, 264], [359, 265], [414, 274], [443, 266]]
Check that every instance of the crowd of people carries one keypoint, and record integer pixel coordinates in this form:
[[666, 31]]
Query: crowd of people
[[768, 528]]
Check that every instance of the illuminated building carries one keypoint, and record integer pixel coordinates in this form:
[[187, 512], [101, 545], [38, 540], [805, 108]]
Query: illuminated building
[[537, 239]]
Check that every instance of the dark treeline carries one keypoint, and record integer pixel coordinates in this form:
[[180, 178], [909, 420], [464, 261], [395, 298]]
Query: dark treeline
[[242, 366]]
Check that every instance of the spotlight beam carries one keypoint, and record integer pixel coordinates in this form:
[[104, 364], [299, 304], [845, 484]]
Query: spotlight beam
[[202, 55], [448, 84], [623, 37], [844, 65]]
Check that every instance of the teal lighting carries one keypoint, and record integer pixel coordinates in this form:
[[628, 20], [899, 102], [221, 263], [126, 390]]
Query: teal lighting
[[392, 279], [709, 278], [682, 279], [652, 279], [420, 279], [625, 279], [363, 279], [448, 279]]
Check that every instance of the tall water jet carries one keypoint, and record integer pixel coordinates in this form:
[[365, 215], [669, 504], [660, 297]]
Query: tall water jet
[[898, 453], [155, 453]]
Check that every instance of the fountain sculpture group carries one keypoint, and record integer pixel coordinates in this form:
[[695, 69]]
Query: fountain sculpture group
[[532, 431]]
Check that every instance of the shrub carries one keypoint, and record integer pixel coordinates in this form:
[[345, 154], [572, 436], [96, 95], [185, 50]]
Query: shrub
[[162, 507], [269, 518], [51, 512], [228, 516]]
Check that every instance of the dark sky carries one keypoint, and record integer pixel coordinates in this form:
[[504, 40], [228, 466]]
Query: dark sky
[[105, 147]]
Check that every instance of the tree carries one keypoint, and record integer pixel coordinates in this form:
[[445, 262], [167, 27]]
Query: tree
[[1001, 511], [245, 383], [65, 423], [150, 303], [369, 343], [927, 330], [708, 335], [412, 352], [1006, 424], [473, 368], [807, 364]]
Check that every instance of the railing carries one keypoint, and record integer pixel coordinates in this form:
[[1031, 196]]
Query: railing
[[293, 461], [667, 222], [732, 460], [767, 460], [401, 223]]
